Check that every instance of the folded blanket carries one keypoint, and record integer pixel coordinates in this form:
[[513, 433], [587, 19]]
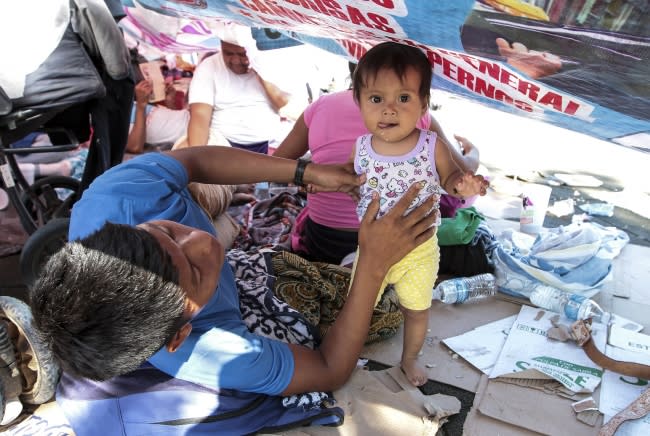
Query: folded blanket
[[576, 258]]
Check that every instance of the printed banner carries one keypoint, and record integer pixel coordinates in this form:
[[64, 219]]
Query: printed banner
[[579, 64]]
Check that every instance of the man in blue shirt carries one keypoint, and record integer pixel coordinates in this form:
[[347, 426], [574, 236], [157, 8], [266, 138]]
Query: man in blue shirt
[[144, 278]]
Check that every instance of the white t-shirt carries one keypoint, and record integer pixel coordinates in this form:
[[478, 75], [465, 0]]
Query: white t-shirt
[[166, 126], [241, 109]]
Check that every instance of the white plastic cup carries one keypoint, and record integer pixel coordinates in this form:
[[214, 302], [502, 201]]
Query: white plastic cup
[[533, 210]]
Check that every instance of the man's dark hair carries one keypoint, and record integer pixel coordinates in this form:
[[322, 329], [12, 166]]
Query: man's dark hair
[[396, 57], [106, 303]]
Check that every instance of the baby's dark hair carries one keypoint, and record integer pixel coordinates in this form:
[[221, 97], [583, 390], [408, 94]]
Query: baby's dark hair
[[396, 57]]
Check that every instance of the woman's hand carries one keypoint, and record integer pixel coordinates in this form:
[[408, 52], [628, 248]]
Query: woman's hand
[[333, 178], [389, 238], [469, 185]]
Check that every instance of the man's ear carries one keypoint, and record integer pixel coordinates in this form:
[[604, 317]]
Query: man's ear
[[178, 338]]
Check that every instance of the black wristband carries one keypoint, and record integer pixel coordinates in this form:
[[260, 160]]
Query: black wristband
[[300, 172]]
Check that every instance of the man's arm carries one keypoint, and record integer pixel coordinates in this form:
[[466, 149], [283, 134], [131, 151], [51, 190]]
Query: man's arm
[[296, 142], [278, 97], [233, 166], [382, 242], [138, 134], [198, 129]]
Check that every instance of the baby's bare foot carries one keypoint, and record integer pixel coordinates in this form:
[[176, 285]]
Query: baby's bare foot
[[415, 373]]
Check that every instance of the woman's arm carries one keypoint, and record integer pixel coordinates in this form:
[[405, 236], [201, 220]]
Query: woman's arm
[[382, 242], [296, 143], [467, 158]]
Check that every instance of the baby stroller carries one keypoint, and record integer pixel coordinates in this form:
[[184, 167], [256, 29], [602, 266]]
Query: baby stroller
[[82, 90]]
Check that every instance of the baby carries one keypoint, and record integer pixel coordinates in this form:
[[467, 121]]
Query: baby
[[392, 87]]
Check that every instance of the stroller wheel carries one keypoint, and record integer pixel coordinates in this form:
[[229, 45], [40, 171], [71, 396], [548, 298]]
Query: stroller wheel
[[51, 197], [39, 371], [40, 245]]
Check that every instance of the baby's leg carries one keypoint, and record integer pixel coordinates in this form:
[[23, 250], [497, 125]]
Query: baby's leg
[[414, 289], [415, 330]]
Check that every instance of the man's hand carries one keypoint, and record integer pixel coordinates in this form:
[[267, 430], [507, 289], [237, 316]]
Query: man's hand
[[535, 64], [143, 90], [333, 177], [389, 238]]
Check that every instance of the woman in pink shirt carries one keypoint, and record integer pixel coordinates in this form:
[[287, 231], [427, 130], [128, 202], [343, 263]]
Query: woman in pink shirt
[[327, 229]]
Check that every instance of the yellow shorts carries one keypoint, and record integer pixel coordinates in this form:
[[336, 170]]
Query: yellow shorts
[[414, 276]]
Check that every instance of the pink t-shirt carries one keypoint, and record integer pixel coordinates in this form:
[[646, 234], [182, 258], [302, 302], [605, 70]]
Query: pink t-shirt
[[334, 122]]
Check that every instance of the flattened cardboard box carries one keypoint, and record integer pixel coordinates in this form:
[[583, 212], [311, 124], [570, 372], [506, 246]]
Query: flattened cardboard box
[[503, 408], [511, 410]]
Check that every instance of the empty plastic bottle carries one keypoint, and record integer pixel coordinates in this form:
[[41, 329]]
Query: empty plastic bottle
[[463, 289], [262, 191], [573, 306]]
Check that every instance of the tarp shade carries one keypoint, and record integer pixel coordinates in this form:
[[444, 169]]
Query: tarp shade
[[579, 64]]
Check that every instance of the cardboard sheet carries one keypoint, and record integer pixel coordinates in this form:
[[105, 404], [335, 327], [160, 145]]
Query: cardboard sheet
[[501, 408], [384, 403], [528, 350], [445, 321], [481, 346]]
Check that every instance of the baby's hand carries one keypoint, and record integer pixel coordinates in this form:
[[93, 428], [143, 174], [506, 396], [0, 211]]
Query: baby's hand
[[471, 184]]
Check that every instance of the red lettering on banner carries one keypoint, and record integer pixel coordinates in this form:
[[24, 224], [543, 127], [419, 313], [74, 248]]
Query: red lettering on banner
[[489, 68], [381, 23], [434, 57], [481, 85], [292, 15], [356, 17], [552, 99], [388, 4], [315, 6], [470, 60], [249, 6], [571, 108], [334, 9], [508, 79], [484, 88], [448, 69], [465, 78], [355, 49], [246, 13], [523, 106], [529, 89], [502, 96]]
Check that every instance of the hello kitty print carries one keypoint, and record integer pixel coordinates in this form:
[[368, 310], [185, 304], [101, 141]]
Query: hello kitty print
[[391, 176]]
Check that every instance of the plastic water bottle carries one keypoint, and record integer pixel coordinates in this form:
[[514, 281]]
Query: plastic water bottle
[[463, 289], [573, 306], [262, 190]]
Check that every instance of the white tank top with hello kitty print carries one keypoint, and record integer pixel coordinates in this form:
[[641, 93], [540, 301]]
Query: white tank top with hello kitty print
[[391, 176]]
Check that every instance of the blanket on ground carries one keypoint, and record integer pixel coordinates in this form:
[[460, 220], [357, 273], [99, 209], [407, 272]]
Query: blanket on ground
[[576, 258]]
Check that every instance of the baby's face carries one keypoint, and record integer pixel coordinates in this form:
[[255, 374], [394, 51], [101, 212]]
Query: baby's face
[[391, 107]]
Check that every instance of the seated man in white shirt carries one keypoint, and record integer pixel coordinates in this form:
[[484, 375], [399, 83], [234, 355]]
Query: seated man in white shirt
[[230, 101]]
